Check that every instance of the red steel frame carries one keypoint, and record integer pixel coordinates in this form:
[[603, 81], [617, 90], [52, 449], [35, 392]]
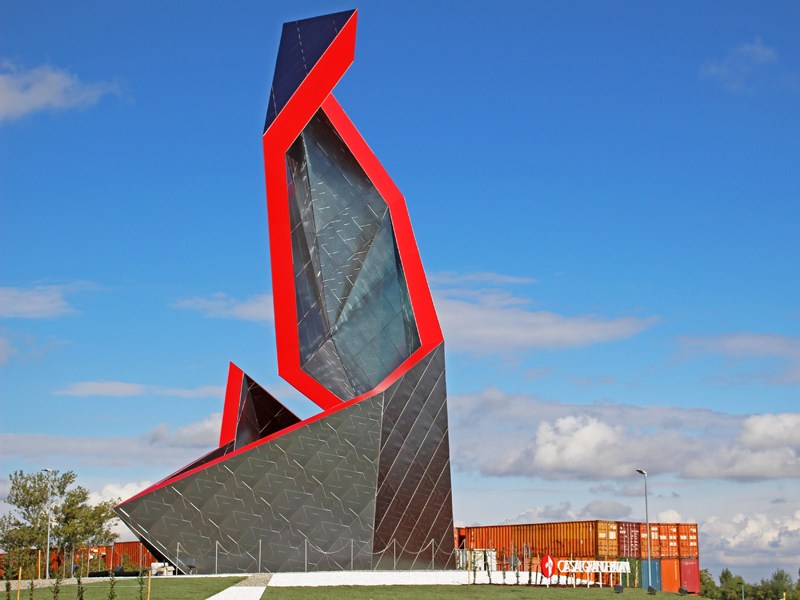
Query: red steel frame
[[313, 94]]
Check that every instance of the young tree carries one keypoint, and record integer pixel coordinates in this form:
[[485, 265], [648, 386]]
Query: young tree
[[73, 522], [708, 588]]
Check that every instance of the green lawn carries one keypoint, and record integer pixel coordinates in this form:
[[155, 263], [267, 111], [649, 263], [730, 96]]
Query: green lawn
[[180, 588], [127, 588], [459, 592]]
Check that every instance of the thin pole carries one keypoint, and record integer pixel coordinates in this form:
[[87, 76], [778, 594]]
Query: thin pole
[[352, 555], [647, 520], [259, 555], [647, 524], [49, 490], [433, 553], [305, 546], [216, 558], [394, 552]]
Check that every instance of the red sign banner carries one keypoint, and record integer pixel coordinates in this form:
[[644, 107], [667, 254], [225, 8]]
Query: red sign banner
[[548, 566]]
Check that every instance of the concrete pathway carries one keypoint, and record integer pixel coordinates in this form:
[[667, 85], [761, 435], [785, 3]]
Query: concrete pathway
[[251, 588]]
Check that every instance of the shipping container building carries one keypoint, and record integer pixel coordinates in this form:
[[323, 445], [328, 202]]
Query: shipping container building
[[674, 551]]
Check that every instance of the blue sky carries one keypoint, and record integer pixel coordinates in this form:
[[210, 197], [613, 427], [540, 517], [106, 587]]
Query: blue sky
[[605, 196]]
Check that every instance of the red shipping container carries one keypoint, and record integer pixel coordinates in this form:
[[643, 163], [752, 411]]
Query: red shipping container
[[670, 575], [629, 542], [690, 575]]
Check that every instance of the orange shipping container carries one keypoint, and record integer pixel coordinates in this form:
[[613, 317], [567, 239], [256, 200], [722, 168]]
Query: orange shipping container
[[655, 545], [135, 553], [569, 539], [668, 539], [670, 574], [607, 539], [687, 540]]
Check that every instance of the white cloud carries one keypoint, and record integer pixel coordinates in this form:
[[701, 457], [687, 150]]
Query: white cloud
[[115, 389], [38, 302], [121, 389], [160, 446], [604, 510], [541, 514], [745, 346], [669, 516], [206, 391], [26, 91], [754, 541], [499, 434], [485, 322], [198, 434], [114, 491], [736, 70], [219, 305]]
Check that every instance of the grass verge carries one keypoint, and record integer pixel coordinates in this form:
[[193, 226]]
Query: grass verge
[[161, 588], [456, 592]]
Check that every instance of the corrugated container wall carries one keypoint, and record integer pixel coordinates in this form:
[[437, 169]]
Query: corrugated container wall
[[655, 568], [134, 552], [670, 575], [577, 538], [655, 546], [668, 539], [687, 540], [690, 575], [607, 539], [583, 539], [629, 543]]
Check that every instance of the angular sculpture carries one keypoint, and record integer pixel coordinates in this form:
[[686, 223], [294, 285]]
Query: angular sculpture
[[364, 484]]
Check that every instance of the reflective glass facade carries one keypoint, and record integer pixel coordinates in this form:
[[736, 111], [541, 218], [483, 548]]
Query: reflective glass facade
[[355, 322]]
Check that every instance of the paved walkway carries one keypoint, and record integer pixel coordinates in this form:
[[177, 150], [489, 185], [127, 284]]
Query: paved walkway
[[325, 578], [251, 588]]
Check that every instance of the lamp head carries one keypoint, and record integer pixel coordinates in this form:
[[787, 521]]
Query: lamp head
[[641, 472]]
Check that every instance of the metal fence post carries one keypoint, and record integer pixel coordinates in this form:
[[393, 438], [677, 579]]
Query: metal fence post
[[216, 558], [394, 553], [352, 556], [305, 546], [259, 555], [433, 553]]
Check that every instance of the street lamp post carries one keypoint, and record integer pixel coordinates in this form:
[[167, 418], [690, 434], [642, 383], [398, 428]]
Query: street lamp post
[[647, 521], [47, 507]]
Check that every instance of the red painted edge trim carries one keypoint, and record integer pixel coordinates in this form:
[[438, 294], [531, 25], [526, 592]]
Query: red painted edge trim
[[395, 376], [276, 142], [230, 412], [314, 94]]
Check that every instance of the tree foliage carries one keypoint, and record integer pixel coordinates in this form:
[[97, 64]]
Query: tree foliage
[[733, 587], [73, 521]]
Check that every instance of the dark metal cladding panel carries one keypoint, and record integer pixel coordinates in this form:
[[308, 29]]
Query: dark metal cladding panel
[[307, 495], [301, 46], [260, 414], [414, 513]]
